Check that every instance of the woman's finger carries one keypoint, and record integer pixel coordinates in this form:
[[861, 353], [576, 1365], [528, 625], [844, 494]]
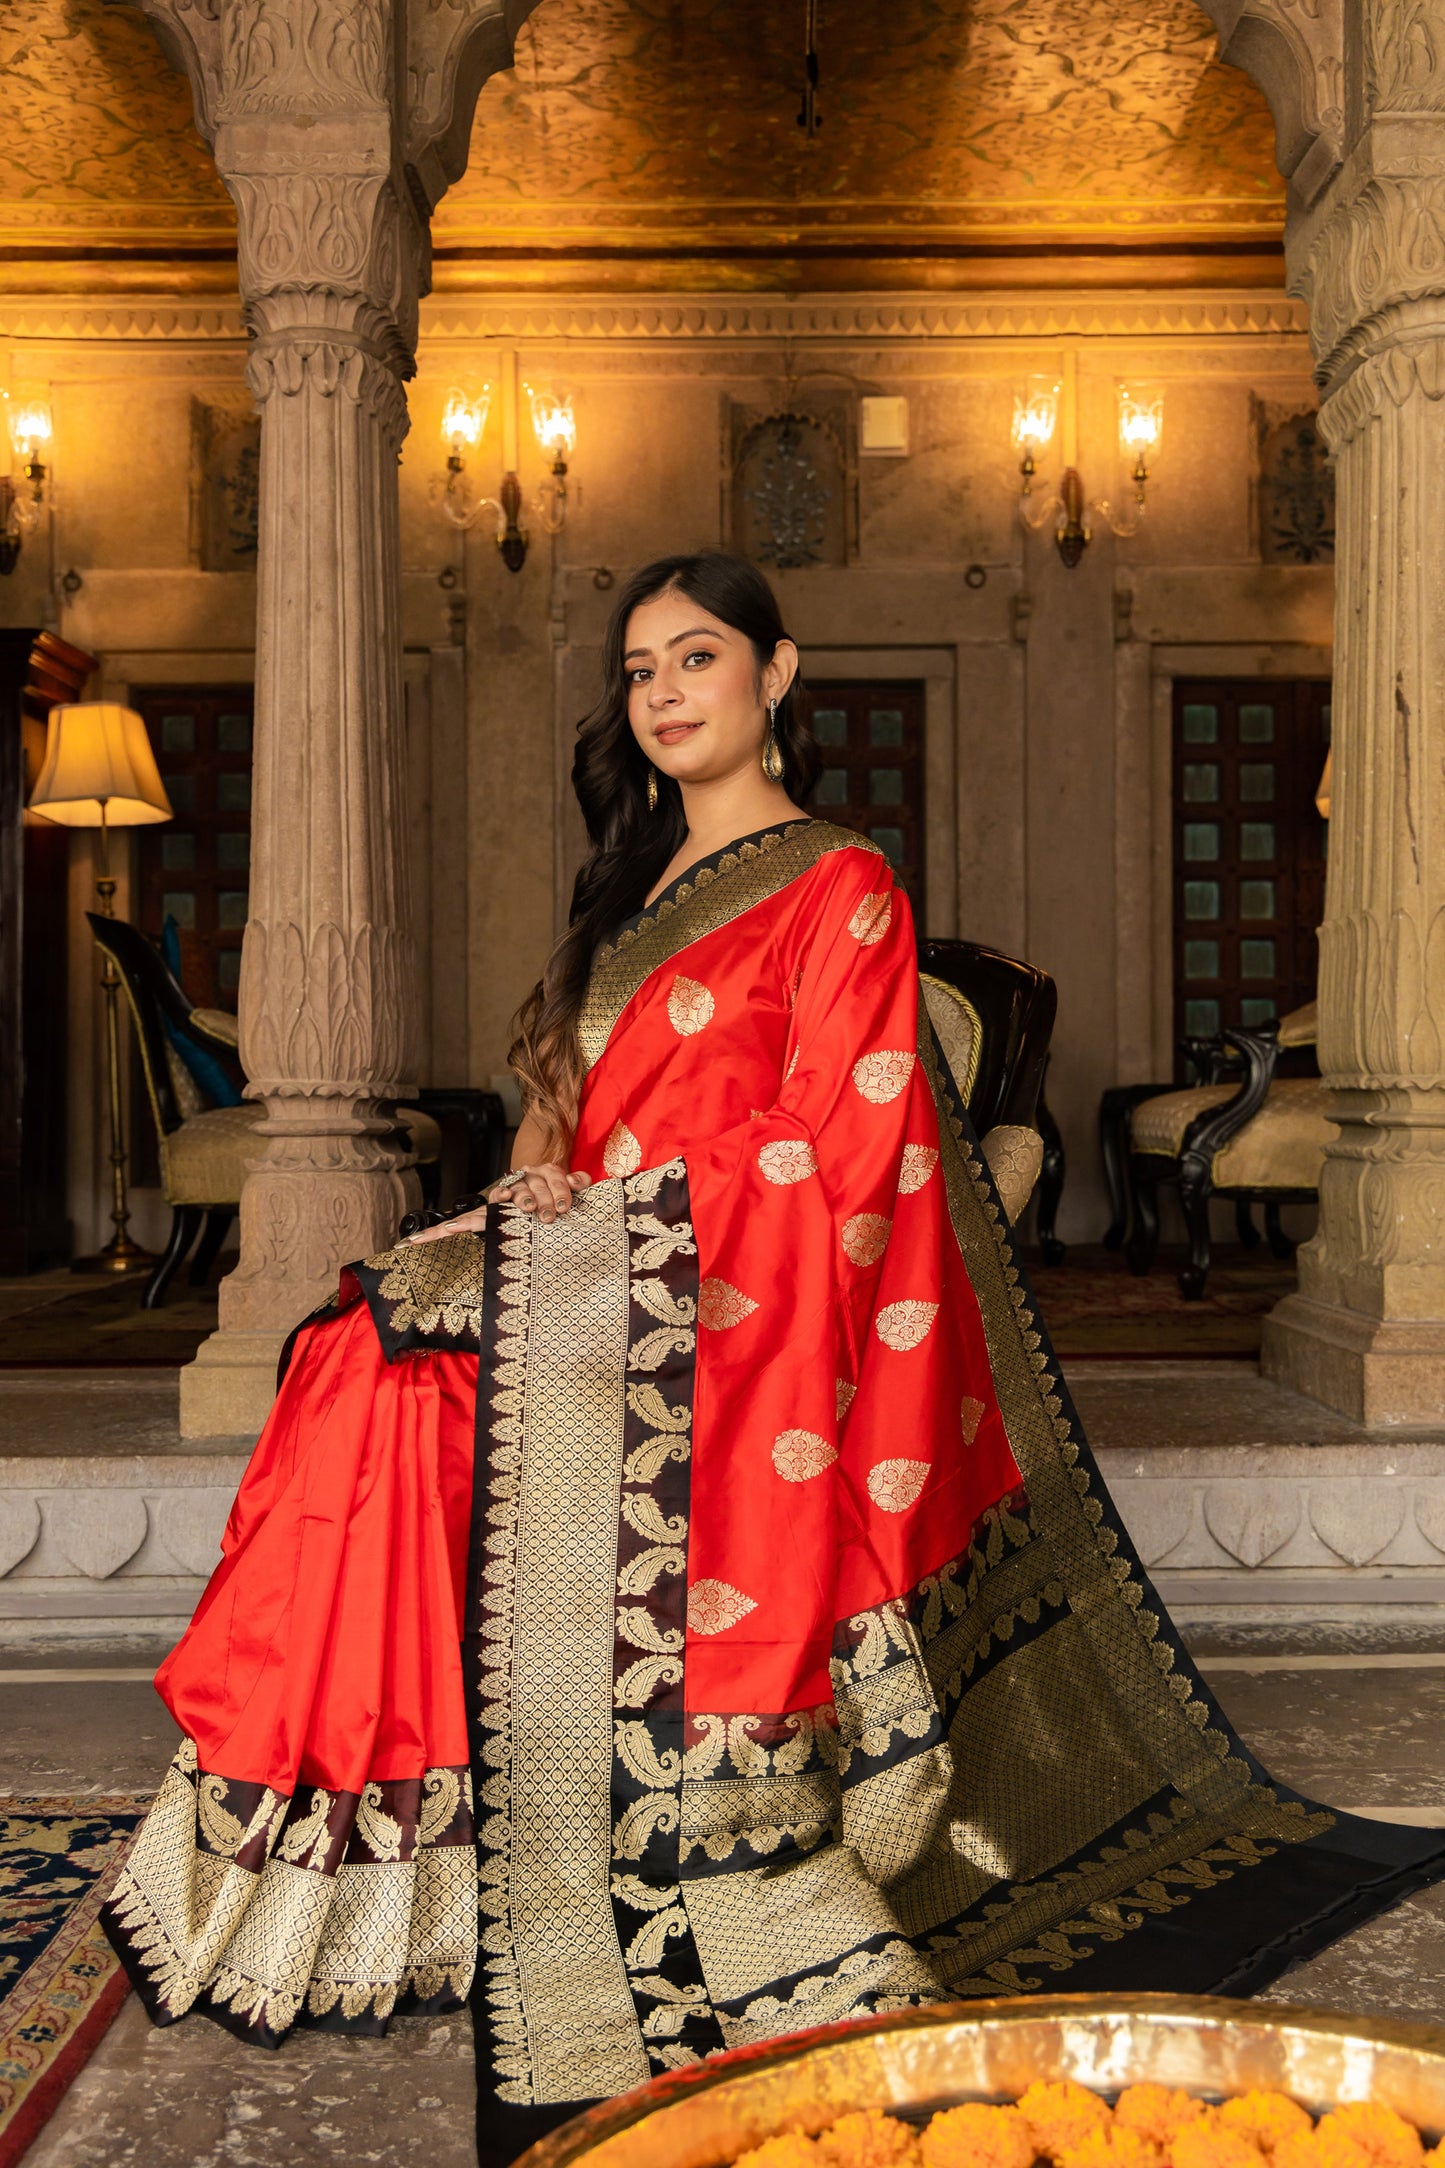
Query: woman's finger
[[469, 1223]]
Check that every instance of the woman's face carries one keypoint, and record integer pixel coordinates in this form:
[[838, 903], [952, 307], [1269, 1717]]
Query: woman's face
[[696, 700]]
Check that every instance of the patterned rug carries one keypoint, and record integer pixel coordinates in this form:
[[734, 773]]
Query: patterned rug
[[1094, 1308], [60, 1982]]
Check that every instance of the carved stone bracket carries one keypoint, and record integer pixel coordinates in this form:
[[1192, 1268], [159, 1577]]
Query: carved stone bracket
[[1294, 50]]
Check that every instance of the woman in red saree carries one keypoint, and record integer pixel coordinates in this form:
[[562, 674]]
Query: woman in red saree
[[674, 1604]]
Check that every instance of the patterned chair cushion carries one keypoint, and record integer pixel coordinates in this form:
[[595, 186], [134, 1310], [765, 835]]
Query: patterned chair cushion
[[1158, 1125], [1284, 1146], [1281, 1148], [207, 1159]]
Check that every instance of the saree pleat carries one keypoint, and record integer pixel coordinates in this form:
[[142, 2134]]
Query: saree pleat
[[794, 1653]]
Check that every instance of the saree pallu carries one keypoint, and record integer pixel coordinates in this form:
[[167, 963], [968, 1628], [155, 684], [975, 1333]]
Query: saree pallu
[[701, 1618]]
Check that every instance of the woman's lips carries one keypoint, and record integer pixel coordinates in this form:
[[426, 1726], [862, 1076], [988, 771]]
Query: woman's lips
[[674, 733]]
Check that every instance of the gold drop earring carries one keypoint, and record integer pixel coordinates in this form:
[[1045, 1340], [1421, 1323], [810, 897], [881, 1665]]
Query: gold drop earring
[[772, 751], [651, 788]]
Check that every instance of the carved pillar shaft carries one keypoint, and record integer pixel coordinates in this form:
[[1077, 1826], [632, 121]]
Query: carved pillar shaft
[[1366, 1332], [327, 988]]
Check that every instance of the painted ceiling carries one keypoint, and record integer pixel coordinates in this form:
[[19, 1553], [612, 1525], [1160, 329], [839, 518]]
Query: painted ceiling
[[645, 133]]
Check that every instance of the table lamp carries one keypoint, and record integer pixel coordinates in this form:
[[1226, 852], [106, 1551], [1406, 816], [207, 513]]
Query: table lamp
[[100, 772]]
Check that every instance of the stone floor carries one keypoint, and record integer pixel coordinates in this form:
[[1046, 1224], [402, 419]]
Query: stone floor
[[1356, 1731]]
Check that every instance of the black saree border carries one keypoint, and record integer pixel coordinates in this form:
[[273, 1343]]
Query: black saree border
[[711, 896], [1315, 1872]]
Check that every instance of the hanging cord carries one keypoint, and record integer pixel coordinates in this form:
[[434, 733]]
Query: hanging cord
[[809, 118]]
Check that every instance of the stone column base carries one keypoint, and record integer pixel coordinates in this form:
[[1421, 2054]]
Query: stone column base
[[1385, 1373], [228, 1390]]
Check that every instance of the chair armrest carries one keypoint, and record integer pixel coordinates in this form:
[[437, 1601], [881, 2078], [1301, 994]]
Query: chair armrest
[[216, 1025], [1210, 1131]]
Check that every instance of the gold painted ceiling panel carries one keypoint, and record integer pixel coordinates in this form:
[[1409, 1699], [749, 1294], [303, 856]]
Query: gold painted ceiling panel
[[667, 127], [954, 121]]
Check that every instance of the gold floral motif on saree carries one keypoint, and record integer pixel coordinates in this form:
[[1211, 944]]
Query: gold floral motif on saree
[[720, 1306]]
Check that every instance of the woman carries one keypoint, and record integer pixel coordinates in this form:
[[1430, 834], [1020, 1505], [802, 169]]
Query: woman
[[673, 1603]]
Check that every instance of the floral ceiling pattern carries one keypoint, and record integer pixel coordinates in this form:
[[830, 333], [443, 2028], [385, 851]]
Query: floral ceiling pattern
[[650, 126]]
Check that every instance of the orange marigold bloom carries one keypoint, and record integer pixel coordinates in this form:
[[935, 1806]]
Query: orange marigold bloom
[[791, 2150], [1209, 2143], [1113, 2146], [1364, 2132], [976, 2136], [1060, 2116], [1155, 2111], [870, 2139], [1268, 2118]]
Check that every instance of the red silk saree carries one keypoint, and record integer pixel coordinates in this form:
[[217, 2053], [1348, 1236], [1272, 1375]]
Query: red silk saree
[[701, 1618]]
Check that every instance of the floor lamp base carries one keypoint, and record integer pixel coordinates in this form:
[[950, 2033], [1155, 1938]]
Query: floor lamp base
[[120, 1255]]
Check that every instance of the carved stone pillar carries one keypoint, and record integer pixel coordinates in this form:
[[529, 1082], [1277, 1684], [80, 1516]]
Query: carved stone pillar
[[1359, 100], [335, 125]]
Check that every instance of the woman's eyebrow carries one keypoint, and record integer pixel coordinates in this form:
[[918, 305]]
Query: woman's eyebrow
[[698, 632]]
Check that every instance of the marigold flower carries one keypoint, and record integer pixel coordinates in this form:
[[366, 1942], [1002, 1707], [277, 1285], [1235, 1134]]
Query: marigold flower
[[1268, 2118], [976, 2136], [1209, 2143], [791, 2150], [1112, 2146], [1060, 2116], [1155, 2111], [869, 2139], [1365, 2132]]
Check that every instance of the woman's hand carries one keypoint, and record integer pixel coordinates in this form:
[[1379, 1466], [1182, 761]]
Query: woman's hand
[[545, 1190]]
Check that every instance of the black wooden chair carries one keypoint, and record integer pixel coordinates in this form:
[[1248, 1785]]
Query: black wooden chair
[[1242, 1132], [994, 1017], [205, 1148]]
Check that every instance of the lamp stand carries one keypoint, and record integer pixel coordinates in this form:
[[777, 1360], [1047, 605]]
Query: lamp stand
[[120, 1254]]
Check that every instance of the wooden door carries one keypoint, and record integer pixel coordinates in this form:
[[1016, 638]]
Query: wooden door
[[1249, 847], [870, 735], [196, 868]]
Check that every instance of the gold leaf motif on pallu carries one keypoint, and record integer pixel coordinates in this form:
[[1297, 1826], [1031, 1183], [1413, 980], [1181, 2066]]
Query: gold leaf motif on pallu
[[690, 1006], [801, 1454], [720, 1306], [880, 1077], [905, 1325], [847, 1394], [872, 918], [791, 1159], [971, 1414], [714, 1606], [621, 1154], [918, 1163], [894, 1484], [865, 1237]]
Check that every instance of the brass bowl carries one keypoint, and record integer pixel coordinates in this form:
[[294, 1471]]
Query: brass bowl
[[707, 2115]]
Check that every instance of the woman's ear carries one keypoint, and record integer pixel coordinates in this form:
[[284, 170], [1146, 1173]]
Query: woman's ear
[[779, 674]]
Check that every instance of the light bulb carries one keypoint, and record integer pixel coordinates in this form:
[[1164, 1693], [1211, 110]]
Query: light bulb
[[465, 417], [1141, 422], [1036, 411], [553, 422]]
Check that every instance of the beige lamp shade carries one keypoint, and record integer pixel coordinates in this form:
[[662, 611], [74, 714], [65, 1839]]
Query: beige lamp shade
[[1322, 795], [98, 754]]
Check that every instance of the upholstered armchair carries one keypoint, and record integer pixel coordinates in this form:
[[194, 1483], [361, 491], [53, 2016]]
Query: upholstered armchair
[[205, 1146], [993, 1017], [1242, 1132]]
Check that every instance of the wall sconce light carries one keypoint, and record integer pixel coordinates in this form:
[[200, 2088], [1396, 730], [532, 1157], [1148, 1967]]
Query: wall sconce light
[[1141, 427], [22, 500], [464, 421]]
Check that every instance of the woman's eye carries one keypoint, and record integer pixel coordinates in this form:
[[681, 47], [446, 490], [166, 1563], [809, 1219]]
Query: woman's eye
[[638, 677], [699, 654]]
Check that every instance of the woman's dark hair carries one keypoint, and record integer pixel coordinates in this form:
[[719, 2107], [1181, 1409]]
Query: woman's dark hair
[[630, 843]]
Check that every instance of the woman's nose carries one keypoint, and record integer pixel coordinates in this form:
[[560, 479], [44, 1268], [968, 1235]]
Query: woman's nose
[[661, 694]]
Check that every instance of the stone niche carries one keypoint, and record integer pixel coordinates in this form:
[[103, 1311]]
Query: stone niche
[[791, 480], [225, 479], [1294, 487]]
